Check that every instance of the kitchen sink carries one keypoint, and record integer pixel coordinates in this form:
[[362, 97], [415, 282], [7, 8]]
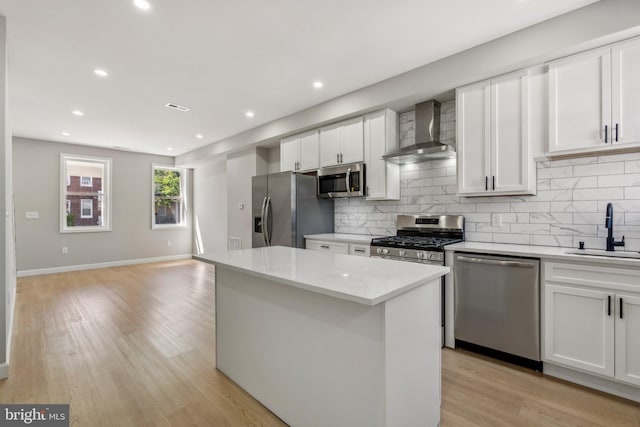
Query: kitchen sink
[[600, 252]]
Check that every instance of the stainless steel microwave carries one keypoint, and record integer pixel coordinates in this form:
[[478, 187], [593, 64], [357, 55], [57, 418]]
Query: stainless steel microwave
[[342, 181]]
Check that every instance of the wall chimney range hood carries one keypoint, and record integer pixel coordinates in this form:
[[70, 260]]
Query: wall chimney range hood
[[427, 140]]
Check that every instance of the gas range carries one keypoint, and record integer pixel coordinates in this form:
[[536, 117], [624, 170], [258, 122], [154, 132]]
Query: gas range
[[420, 238]]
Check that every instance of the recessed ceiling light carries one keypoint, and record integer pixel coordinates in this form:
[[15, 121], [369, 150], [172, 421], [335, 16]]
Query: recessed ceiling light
[[177, 107], [66, 134], [77, 113], [317, 84], [170, 149], [101, 73], [249, 114], [199, 136], [142, 4]]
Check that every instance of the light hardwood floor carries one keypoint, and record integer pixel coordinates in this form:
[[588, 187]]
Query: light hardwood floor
[[134, 346]]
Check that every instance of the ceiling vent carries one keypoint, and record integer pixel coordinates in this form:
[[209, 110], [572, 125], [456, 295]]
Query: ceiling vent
[[177, 107]]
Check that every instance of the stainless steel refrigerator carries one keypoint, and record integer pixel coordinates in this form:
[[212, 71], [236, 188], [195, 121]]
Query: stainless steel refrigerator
[[285, 207]]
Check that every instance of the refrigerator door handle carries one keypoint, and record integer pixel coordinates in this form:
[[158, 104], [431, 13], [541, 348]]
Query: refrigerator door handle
[[262, 221], [348, 179], [267, 211]]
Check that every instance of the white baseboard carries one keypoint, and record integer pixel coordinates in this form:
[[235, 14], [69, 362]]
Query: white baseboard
[[592, 381], [68, 268], [4, 371]]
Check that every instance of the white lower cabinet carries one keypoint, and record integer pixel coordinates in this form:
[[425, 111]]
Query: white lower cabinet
[[591, 319], [628, 339], [326, 246], [351, 248], [579, 328]]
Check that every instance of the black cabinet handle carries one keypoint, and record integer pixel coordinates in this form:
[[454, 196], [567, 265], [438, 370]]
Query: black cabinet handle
[[493, 179], [608, 305], [616, 132], [486, 183], [621, 308], [606, 134]]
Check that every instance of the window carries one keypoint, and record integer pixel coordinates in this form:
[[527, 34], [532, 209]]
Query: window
[[169, 187], [86, 208], [85, 196]]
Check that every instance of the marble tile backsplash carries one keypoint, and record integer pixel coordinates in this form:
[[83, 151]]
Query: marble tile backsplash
[[569, 206]]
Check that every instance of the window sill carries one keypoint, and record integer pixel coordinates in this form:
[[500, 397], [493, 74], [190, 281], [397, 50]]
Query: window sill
[[169, 226], [85, 230]]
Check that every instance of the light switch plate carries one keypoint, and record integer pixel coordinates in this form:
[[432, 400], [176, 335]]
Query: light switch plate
[[32, 215]]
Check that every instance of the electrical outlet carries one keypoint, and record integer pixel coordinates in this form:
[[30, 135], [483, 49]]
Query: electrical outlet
[[32, 215], [168, 242], [496, 220], [65, 250]]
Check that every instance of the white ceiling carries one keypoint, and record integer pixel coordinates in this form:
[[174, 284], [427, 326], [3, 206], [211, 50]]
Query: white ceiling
[[222, 58]]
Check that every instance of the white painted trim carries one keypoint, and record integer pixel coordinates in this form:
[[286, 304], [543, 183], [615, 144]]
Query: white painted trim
[[68, 268], [592, 381], [10, 334], [4, 371]]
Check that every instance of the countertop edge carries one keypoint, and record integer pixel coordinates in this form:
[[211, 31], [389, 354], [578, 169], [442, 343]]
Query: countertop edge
[[355, 238], [328, 292], [542, 252]]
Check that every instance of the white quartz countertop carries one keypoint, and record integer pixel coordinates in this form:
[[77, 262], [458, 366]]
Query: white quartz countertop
[[342, 237], [544, 252], [368, 281]]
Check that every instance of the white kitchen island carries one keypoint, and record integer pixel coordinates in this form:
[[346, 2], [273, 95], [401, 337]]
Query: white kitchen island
[[325, 339]]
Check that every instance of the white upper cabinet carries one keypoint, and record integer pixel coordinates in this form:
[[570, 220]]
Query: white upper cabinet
[[473, 110], [300, 152], [493, 137], [625, 93], [380, 138], [593, 101], [580, 101], [342, 143]]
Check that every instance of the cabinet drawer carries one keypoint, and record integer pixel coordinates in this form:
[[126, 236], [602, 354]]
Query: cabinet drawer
[[320, 245], [360, 250], [597, 275]]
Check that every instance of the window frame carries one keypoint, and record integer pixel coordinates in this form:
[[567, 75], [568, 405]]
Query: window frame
[[82, 202], [90, 184], [106, 194], [184, 196]]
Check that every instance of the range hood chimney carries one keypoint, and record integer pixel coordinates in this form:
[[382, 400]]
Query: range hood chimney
[[427, 140]]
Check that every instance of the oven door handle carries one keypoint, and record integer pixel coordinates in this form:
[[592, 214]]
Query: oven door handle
[[495, 262]]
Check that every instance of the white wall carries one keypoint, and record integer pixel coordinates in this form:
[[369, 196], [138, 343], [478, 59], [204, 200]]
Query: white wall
[[39, 241], [210, 207], [7, 250], [240, 168]]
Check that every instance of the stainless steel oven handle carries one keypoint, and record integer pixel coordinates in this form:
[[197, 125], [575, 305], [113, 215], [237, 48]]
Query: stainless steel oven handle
[[262, 223], [495, 262], [348, 179]]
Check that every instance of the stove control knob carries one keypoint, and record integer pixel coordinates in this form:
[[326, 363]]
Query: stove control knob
[[379, 250], [420, 255], [402, 253], [385, 251], [429, 255]]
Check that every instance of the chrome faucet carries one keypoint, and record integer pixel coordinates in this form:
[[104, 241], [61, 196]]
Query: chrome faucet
[[608, 223]]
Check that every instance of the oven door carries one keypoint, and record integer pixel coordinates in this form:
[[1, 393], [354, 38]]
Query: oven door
[[342, 181]]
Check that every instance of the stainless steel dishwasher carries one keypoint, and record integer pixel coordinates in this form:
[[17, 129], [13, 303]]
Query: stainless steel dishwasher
[[497, 306]]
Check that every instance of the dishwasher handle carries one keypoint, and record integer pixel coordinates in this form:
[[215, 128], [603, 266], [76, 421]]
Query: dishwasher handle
[[495, 262]]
